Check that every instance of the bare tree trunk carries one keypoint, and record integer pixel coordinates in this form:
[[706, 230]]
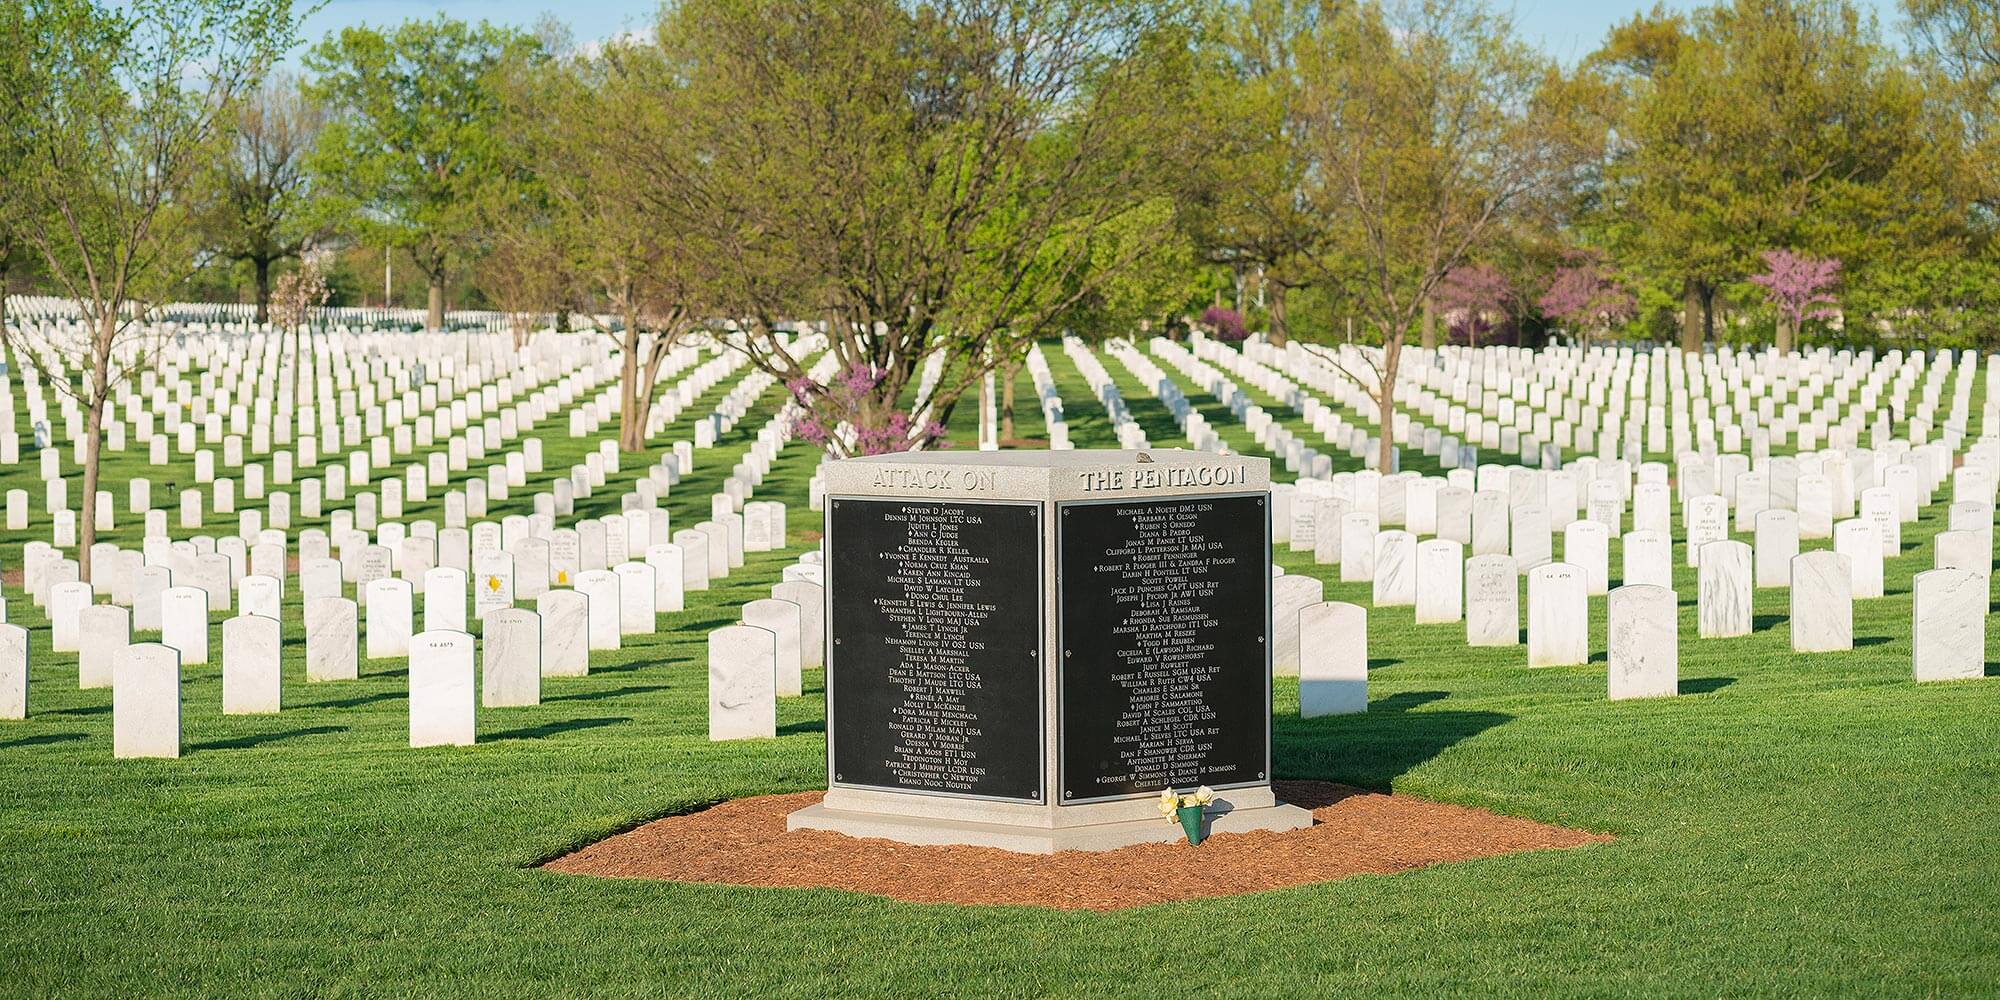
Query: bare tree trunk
[[1430, 336], [1007, 374], [1385, 400], [1280, 333], [985, 407], [107, 327], [4, 268], [631, 425], [437, 303], [1785, 336], [1692, 326], [263, 266]]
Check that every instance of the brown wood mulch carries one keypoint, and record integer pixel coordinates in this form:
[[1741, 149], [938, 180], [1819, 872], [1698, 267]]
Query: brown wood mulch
[[1356, 832]]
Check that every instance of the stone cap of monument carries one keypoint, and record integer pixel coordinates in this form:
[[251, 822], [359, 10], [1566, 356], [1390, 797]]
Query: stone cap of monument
[[1048, 475]]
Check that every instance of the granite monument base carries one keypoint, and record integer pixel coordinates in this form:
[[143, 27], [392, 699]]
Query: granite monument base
[[1085, 828]]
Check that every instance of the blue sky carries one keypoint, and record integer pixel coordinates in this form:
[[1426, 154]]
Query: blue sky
[[1566, 29]]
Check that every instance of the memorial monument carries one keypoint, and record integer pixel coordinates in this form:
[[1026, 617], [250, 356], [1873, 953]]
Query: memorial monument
[[1025, 648]]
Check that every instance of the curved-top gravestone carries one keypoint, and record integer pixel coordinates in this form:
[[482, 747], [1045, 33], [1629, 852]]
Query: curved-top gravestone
[[1024, 648]]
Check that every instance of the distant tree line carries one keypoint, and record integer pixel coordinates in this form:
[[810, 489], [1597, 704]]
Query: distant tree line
[[963, 177]]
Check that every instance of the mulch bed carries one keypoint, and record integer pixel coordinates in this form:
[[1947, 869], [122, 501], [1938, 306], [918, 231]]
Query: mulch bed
[[1356, 832]]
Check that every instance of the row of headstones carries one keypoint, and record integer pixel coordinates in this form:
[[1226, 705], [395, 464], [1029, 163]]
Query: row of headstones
[[518, 465], [1325, 377], [1049, 399], [763, 524], [1948, 636], [1550, 375], [518, 649], [1526, 431], [1130, 435], [645, 495], [757, 660], [157, 396], [414, 485], [1434, 578]]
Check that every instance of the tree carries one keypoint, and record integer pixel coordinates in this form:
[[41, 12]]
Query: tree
[[935, 179], [410, 154], [1961, 42], [18, 76], [1241, 182], [1754, 124], [1426, 131], [259, 198], [1798, 287], [113, 132], [1586, 296], [1475, 292], [297, 295], [609, 136]]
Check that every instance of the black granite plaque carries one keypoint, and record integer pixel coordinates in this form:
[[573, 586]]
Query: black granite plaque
[[1165, 663], [934, 682]]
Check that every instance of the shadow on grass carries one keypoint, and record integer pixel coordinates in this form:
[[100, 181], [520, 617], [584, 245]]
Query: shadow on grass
[[43, 740], [620, 668], [1704, 685], [357, 702], [1762, 623], [1403, 701], [547, 729], [1380, 662], [244, 742], [1870, 640], [602, 695], [796, 728], [86, 710], [1373, 749]]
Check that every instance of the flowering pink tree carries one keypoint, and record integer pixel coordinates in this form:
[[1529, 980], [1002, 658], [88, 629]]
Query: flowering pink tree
[[849, 399], [1586, 296], [1800, 288], [1475, 292], [1227, 323]]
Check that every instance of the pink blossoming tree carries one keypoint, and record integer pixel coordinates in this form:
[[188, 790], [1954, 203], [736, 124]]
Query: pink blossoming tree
[[1586, 297], [847, 401], [1478, 294], [1800, 288]]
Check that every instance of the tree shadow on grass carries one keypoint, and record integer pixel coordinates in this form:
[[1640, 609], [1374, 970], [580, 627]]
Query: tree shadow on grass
[[1373, 749], [602, 695], [554, 728], [244, 742], [43, 740], [1704, 685]]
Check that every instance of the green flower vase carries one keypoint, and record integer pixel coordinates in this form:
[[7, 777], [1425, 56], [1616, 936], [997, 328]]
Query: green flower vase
[[1190, 817]]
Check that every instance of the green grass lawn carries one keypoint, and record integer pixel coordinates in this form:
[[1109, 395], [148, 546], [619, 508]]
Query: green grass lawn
[[1793, 824]]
